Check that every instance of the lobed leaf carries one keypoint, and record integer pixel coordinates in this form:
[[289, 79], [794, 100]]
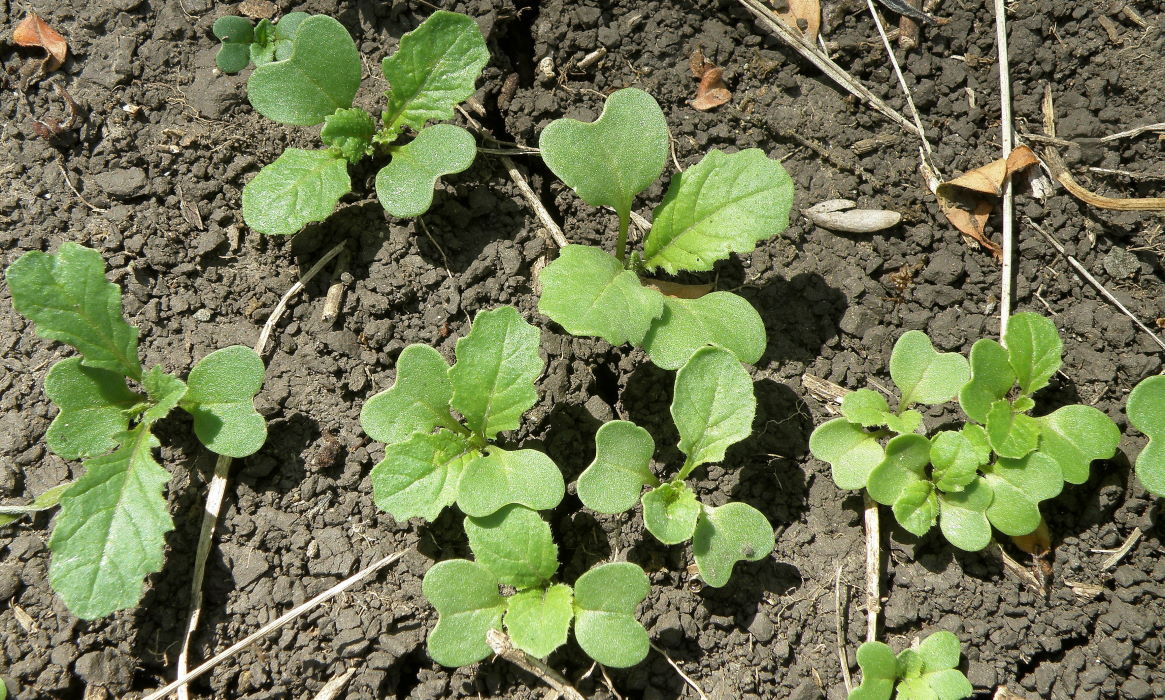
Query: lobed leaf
[[285, 30], [220, 397], [236, 35], [405, 186], [713, 405], [349, 133], [1011, 434], [670, 512], [937, 678], [962, 516], [851, 452], [493, 377], [923, 374], [916, 508], [95, 406], [164, 391], [991, 379], [722, 319], [538, 620], [299, 187], [939, 651], [728, 534], [434, 69], [68, 298], [955, 459], [587, 291], [621, 468], [1076, 435], [1018, 486], [1146, 412], [48, 499], [1033, 350], [605, 599], [500, 477], [111, 529], [865, 407], [417, 402], [879, 672], [907, 457], [515, 544], [724, 204], [420, 476], [465, 595]]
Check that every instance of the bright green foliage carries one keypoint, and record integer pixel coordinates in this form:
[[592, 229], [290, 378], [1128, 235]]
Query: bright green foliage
[[605, 599], [726, 203], [298, 188], [927, 671], [110, 533], [243, 43], [515, 543], [469, 605], [348, 133], [491, 385], [45, 501], [539, 619], [1146, 411], [990, 473], [405, 185], [713, 407]]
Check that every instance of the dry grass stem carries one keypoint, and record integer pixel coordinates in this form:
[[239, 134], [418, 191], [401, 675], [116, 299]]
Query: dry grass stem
[[1007, 138], [334, 687], [839, 628], [500, 643], [873, 567], [1120, 553], [687, 679]]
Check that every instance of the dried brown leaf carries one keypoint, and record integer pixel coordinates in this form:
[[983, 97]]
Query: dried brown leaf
[[258, 9], [34, 31], [969, 199], [805, 15], [711, 92]]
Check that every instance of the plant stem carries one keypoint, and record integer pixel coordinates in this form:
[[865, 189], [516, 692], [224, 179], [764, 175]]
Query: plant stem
[[687, 469], [621, 243]]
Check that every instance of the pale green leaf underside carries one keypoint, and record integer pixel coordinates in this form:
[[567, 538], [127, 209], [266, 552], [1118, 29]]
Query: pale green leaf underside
[[1033, 348], [850, 451], [713, 405], [1076, 435], [500, 477], [588, 292], [1146, 411], [621, 468], [420, 477], [417, 402], [405, 186], [497, 364], [605, 599], [991, 379], [538, 620], [962, 516], [222, 388], [515, 544], [93, 405], [724, 204], [299, 187], [465, 595], [923, 374], [728, 534], [720, 318], [68, 298], [111, 529], [670, 512]]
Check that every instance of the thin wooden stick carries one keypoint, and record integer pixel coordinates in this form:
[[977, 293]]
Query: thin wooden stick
[[1007, 138], [873, 568], [839, 629], [501, 645], [687, 679]]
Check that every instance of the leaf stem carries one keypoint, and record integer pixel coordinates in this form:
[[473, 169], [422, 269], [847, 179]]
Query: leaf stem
[[689, 466], [621, 243]]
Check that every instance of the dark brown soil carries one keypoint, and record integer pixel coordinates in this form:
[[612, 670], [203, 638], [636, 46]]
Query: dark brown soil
[[162, 132]]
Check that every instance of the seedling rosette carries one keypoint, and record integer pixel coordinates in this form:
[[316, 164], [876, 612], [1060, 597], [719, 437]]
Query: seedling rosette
[[992, 472], [927, 671]]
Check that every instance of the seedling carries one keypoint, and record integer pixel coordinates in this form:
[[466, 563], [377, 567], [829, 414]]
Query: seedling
[[1146, 411], [724, 204], [113, 520], [307, 73], [713, 408], [997, 468], [432, 459], [514, 547], [926, 671]]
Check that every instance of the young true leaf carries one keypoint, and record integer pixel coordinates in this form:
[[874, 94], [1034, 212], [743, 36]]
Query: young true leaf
[[955, 459], [991, 379], [221, 394], [349, 133], [515, 544], [621, 468], [923, 374], [605, 599], [1011, 434], [320, 76], [434, 69], [879, 672], [713, 406], [1076, 435], [1033, 349], [907, 457], [851, 452], [95, 405], [299, 187], [670, 512], [493, 378], [285, 30], [538, 620], [937, 676], [417, 402], [69, 299], [405, 186], [236, 35], [468, 605], [48, 499], [724, 204], [588, 292], [165, 391], [865, 407], [500, 477], [419, 477], [1146, 411], [917, 507], [111, 529], [1018, 486], [963, 516], [728, 534], [722, 319]]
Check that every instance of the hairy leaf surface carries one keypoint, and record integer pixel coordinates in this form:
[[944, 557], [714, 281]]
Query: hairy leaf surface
[[851, 452], [497, 364], [907, 457], [405, 186], [713, 405], [299, 187], [955, 459], [1146, 411], [962, 516], [1076, 435], [94, 407], [321, 75], [923, 374], [465, 595], [728, 534], [991, 379], [879, 672], [1018, 486], [419, 477], [722, 319], [515, 544], [917, 507], [236, 34], [670, 512], [605, 599], [416, 403], [500, 477], [349, 133], [220, 397], [621, 468], [538, 620], [1033, 349], [1011, 434]]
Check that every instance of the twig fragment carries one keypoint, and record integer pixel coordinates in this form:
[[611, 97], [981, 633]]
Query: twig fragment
[[839, 628], [1007, 138], [1121, 551], [873, 568], [334, 687], [687, 679], [503, 648]]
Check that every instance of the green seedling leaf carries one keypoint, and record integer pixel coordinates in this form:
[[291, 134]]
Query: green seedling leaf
[[417, 402], [1023, 404], [612, 159], [991, 379], [420, 477], [111, 529], [434, 69], [1076, 435], [284, 34], [48, 499], [222, 388], [917, 507], [728, 534], [713, 406], [349, 133], [955, 459], [670, 512], [621, 468], [722, 319], [932, 671], [405, 186], [321, 75], [1018, 486], [977, 436], [851, 452], [963, 516], [298, 188], [605, 599], [1011, 434], [865, 407], [515, 544], [1146, 411], [538, 620], [497, 364], [236, 35], [500, 477], [723, 204], [263, 46], [923, 374], [465, 595], [95, 406], [68, 298], [164, 392], [879, 672], [588, 292], [907, 457], [1033, 349]]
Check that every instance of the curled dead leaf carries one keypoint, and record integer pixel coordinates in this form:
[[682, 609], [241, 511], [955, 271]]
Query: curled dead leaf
[[969, 199], [839, 215], [34, 31], [805, 15], [711, 92]]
